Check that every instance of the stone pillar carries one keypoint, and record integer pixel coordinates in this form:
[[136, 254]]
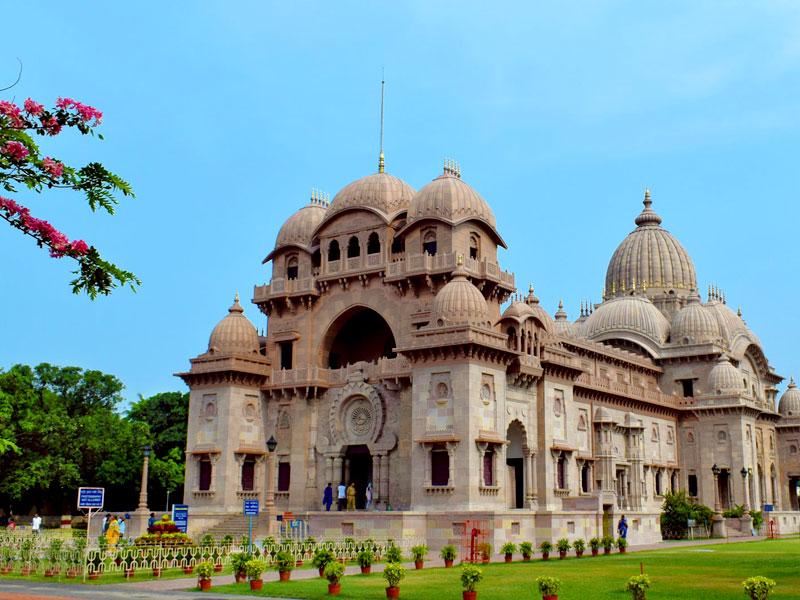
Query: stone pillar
[[328, 470], [451, 451], [526, 466], [385, 478], [376, 478], [337, 470]]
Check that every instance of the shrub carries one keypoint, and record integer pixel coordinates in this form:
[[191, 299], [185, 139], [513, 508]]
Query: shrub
[[758, 518], [579, 545], [622, 543], [486, 550], [546, 547], [321, 558], [239, 562], [638, 586], [334, 571], [594, 543], [394, 555], [563, 545], [548, 586], [526, 549], [204, 569], [227, 539], [737, 512], [508, 549], [419, 552], [284, 561], [393, 573], [758, 588], [448, 552], [366, 557], [676, 510], [607, 542], [471, 575], [255, 568]]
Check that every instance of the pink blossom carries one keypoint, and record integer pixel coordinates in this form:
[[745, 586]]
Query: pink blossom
[[59, 243], [53, 167], [85, 112], [15, 150], [51, 126], [11, 110], [33, 108]]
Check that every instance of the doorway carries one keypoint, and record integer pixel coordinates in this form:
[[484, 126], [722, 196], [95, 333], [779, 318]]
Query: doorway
[[359, 461], [724, 489], [608, 521], [515, 465]]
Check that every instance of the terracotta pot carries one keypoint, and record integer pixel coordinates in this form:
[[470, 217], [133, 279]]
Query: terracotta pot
[[255, 584], [56, 570], [156, 572], [419, 564], [526, 558], [188, 570], [299, 563], [129, 573], [578, 553], [71, 574], [545, 555], [595, 552], [622, 550], [240, 577], [24, 571], [562, 555], [334, 589], [284, 575], [393, 592], [469, 595], [485, 561], [343, 561], [322, 571], [550, 597], [48, 572], [218, 568], [448, 562], [365, 571], [606, 550], [94, 575], [205, 585], [508, 558]]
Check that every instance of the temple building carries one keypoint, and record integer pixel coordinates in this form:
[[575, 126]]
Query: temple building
[[389, 360]]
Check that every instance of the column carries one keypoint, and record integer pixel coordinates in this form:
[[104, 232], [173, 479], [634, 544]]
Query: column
[[376, 478], [385, 478], [532, 470], [336, 477], [328, 470], [451, 451]]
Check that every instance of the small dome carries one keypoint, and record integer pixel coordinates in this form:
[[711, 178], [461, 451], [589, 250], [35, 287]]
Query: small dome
[[730, 324], [790, 401], [382, 192], [299, 228], [235, 333], [537, 312], [724, 378], [459, 303], [650, 258], [518, 310], [563, 326], [601, 415], [632, 318], [631, 421], [695, 323]]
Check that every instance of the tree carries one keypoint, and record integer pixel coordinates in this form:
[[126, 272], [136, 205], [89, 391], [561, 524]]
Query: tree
[[677, 509], [22, 164]]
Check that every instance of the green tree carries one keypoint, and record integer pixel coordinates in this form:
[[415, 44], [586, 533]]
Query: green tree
[[677, 509]]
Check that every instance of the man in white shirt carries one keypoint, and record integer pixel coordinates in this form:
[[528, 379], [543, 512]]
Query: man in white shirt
[[122, 527], [342, 499], [36, 524]]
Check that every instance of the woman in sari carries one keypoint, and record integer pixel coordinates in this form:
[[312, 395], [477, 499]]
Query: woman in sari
[[112, 534]]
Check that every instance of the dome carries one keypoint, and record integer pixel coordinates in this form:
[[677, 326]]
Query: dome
[[601, 415], [537, 312], [632, 318], [235, 333], [381, 192], [724, 378], [651, 259], [518, 310], [695, 323], [790, 401], [730, 324], [298, 230], [563, 326], [459, 303]]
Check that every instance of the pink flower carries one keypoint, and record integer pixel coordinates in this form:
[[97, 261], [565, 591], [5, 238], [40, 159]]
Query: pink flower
[[15, 150], [85, 112], [79, 247], [33, 108], [53, 167], [51, 126], [11, 110]]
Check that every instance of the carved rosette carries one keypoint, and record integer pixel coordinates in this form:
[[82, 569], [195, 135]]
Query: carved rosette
[[357, 415]]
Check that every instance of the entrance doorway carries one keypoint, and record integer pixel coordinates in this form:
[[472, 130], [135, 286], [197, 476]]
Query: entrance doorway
[[724, 489], [794, 493], [608, 522], [359, 461], [515, 465]]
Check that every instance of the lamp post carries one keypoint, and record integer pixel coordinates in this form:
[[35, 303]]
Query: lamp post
[[717, 522], [744, 489], [270, 501], [143, 490], [716, 471]]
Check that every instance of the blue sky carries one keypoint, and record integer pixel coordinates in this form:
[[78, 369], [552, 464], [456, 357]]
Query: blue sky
[[223, 116]]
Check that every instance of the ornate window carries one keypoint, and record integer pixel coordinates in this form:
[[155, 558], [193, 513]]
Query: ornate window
[[291, 267], [248, 474], [561, 473], [353, 248], [373, 243], [284, 476], [586, 480], [474, 246], [440, 467], [429, 242], [659, 483], [204, 478], [488, 468], [333, 251]]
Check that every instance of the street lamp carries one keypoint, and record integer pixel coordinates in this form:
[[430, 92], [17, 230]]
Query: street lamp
[[716, 471], [271, 445], [744, 488], [143, 490]]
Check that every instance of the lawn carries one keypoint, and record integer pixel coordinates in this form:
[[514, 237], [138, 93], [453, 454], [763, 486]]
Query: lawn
[[703, 572]]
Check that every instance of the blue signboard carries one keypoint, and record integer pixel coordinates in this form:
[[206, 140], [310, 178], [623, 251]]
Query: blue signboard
[[768, 508], [180, 514], [90, 497], [251, 508]]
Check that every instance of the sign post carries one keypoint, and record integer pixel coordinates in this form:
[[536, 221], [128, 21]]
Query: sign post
[[89, 498], [180, 514], [250, 510]]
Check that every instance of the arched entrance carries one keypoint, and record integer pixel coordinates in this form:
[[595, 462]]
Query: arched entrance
[[358, 470], [515, 464], [358, 334]]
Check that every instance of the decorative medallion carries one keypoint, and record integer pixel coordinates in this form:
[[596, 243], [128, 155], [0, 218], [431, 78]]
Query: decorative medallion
[[442, 390], [361, 420], [486, 393], [250, 411]]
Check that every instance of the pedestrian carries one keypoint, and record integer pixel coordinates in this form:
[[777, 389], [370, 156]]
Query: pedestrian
[[351, 496], [622, 527], [151, 521], [369, 495], [11, 524], [106, 522], [342, 497], [327, 498], [122, 526], [36, 524], [112, 533]]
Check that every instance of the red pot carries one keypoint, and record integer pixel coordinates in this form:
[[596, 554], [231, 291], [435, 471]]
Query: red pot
[[255, 584], [622, 550], [56, 570], [284, 575], [156, 572], [550, 597], [594, 552], [469, 595], [508, 558], [129, 573], [393, 592], [188, 570], [418, 564], [562, 555], [578, 553], [606, 550], [71, 574], [218, 568], [526, 558], [334, 589], [94, 575], [545, 555], [322, 571], [448, 562], [24, 571], [365, 571], [205, 585], [240, 577], [48, 572]]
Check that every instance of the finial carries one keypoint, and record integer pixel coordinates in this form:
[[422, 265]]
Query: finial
[[460, 260], [560, 303], [604, 293], [530, 288], [723, 298], [236, 298], [458, 170], [591, 307], [633, 287], [739, 311], [623, 285], [709, 293], [381, 164], [644, 285], [648, 215], [582, 311], [647, 201]]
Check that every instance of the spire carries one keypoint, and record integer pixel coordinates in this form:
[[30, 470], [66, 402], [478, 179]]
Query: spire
[[648, 216], [561, 314], [381, 164], [739, 311], [236, 308]]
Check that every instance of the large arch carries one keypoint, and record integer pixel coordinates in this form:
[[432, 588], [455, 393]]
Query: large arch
[[358, 334]]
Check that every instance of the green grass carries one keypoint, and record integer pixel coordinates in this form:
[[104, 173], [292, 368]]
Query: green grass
[[676, 573]]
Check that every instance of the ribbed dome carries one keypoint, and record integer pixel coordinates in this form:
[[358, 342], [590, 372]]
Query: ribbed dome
[[380, 191], [629, 317], [724, 378], [650, 257], [695, 323], [537, 312], [601, 415], [300, 226], [518, 310], [235, 333], [790, 401], [459, 303], [450, 199], [562, 325], [730, 323]]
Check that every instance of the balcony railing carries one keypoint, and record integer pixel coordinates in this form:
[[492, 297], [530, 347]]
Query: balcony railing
[[626, 389], [383, 368]]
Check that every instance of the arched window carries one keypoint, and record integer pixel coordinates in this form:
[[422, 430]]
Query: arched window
[[333, 251], [429, 243], [373, 243], [204, 483], [586, 484], [561, 473], [488, 468], [659, 485], [693, 485], [248, 474], [474, 246], [291, 268], [512, 338], [315, 259], [353, 249], [398, 245]]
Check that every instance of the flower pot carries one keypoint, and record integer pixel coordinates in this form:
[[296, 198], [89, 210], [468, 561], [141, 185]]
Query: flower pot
[[469, 595], [418, 564], [156, 572], [545, 555], [205, 585], [562, 555], [218, 568], [554, 597], [343, 561], [526, 558], [255, 584], [622, 550], [56, 570], [392, 592], [24, 571], [485, 561], [240, 577], [284, 575], [365, 571], [48, 572], [299, 563], [94, 575], [129, 573], [322, 571], [188, 570], [508, 558], [448, 562], [72, 574], [595, 552], [334, 589], [606, 550], [578, 553]]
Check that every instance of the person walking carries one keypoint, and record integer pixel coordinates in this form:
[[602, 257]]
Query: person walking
[[622, 527], [36, 524], [112, 533], [351, 496], [151, 521], [327, 497], [369, 495], [122, 527], [342, 496]]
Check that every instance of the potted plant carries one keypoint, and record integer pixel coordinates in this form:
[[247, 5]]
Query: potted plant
[[471, 575], [216, 554], [607, 542], [53, 555], [393, 573], [548, 587], [321, 558], [563, 547], [254, 568], [594, 544], [545, 548], [579, 546], [239, 562], [365, 559], [622, 543], [419, 553], [526, 549], [393, 553], [204, 571], [758, 588], [507, 550], [448, 554], [638, 586], [284, 563], [486, 550], [334, 571]]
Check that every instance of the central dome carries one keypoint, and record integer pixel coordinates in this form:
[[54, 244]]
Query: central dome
[[651, 259], [381, 192]]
